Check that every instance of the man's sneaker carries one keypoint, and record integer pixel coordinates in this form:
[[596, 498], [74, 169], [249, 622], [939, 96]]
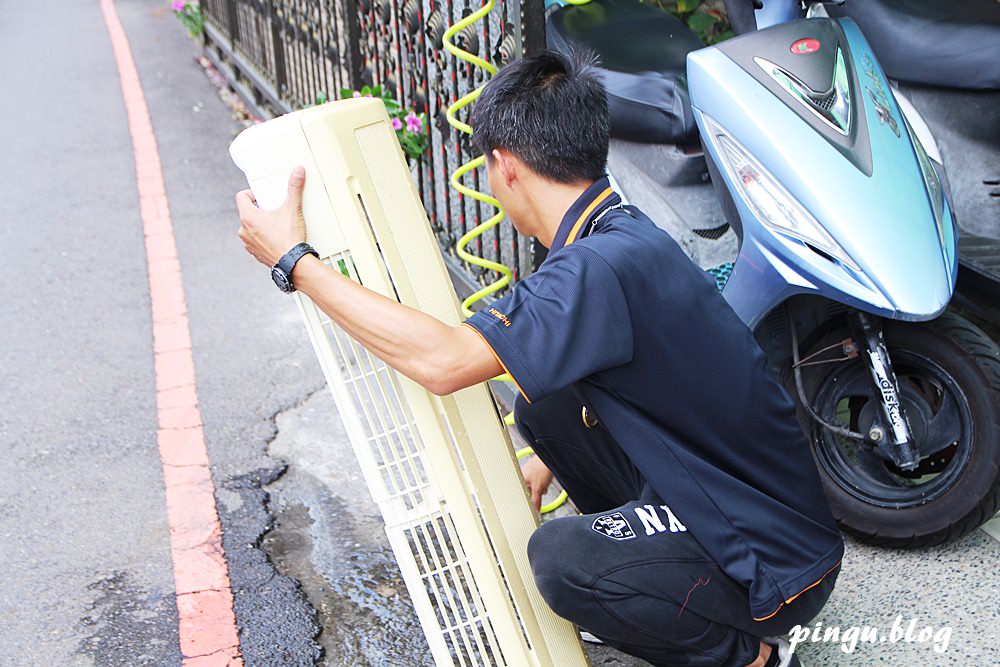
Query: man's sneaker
[[785, 657]]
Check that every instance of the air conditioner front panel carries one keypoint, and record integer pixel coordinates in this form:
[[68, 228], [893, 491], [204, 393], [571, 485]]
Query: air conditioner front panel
[[440, 469]]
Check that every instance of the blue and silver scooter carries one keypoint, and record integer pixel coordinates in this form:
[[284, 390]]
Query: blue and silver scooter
[[846, 259]]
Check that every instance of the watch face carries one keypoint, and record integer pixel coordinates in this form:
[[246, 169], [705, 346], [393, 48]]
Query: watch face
[[281, 280]]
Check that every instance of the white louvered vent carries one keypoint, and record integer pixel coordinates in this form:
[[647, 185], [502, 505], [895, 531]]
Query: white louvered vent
[[441, 470]]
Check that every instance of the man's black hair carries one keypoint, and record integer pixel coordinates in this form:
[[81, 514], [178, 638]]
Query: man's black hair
[[549, 110]]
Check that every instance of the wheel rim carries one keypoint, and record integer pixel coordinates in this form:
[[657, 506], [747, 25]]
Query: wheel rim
[[940, 421]]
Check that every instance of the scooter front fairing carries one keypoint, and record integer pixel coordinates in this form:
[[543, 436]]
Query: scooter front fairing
[[819, 169]]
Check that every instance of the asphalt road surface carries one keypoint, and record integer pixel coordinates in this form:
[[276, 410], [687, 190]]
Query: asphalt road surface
[[85, 553], [84, 542]]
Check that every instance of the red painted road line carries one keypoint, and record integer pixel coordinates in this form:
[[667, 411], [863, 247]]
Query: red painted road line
[[208, 633]]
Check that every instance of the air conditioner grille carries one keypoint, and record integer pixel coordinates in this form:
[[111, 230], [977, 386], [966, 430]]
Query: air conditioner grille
[[441, 469], [394, 446]]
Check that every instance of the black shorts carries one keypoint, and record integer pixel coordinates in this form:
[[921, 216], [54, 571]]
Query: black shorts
[[628, 570]]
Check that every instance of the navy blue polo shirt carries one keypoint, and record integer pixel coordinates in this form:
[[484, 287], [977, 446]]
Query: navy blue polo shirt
[[621, 314]]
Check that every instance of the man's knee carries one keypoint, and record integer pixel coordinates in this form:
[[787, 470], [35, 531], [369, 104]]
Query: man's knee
[[563, 582]]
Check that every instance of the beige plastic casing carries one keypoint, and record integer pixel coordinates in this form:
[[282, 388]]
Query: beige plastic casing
[[441, 469]]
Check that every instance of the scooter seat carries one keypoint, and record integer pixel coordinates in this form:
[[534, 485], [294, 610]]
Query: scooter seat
[[954, 44], [642, 52]]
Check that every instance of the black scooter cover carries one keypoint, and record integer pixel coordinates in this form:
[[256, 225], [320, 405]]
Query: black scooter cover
[[643, 52]]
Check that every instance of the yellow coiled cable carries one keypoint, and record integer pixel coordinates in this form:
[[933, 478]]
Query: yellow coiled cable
[[455, 180]]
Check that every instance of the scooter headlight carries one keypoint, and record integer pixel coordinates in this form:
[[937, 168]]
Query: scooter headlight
[[769, 201], [935, 192]]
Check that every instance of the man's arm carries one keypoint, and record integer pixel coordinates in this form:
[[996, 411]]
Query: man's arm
[[441, 358]]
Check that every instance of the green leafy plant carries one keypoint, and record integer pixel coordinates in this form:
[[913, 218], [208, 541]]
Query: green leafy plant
[[190, 16], [410, 126], [706, 18]]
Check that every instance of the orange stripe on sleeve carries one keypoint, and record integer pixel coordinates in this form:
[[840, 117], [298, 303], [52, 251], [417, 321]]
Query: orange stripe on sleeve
[[499, 360]]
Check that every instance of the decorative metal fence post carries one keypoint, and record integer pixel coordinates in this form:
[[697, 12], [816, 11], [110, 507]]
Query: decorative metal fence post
[[278, 48]]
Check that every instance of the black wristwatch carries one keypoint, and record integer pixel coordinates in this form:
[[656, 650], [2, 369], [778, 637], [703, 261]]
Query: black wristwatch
[[281, 273]]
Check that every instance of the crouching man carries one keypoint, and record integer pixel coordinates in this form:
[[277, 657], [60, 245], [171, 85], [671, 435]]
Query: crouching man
[[704, 530]]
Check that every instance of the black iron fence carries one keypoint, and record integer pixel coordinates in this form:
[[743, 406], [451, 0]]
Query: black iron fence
[[282, 55]]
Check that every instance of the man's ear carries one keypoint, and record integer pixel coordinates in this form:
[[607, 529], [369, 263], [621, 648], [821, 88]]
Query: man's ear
[[506, 166]]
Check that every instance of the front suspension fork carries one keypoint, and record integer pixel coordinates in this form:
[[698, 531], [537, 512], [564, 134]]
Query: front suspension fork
[[890, 431]]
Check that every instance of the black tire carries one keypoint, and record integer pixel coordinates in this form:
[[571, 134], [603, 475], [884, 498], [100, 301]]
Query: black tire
[[948, 363]]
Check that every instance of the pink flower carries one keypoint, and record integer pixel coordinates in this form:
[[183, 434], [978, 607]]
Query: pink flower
[[413, 122], [397, 124], [357, 94], [178, 5]]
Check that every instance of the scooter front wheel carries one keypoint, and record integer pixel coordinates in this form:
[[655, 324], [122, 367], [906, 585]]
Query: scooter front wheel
[[948, 373]]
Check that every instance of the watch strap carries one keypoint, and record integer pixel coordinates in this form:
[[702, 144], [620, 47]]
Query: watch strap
[[291, 258]]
